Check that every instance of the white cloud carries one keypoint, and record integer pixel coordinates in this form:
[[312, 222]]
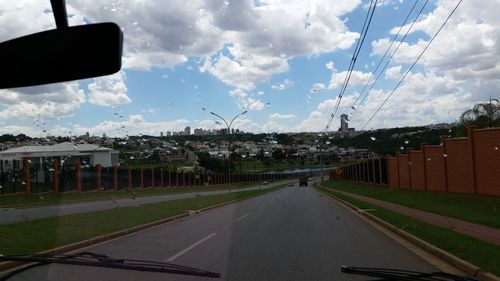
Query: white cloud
[[317, 87], [109, 90], [357, 78], [245, 101], [278, 116], [138, 118], [283, 85], [329, 66], [52, 101], [260, 39], [394, 72]]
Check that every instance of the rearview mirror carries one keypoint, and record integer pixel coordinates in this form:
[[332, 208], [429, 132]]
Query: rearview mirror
[[60, 55]]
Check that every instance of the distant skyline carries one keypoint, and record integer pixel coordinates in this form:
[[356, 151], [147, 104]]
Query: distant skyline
[[283, 61]]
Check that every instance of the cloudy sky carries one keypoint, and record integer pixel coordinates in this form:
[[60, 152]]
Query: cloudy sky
[[282, 60]]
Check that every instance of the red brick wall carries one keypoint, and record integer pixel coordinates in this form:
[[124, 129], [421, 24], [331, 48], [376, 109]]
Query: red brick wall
[[404, 171], [435, 167], [486, 145], [459, 165], [417, 169], [392, 172]]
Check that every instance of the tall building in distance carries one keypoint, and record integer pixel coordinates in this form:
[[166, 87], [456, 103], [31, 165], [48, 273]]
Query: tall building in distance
[[187, 131], [344, 124]]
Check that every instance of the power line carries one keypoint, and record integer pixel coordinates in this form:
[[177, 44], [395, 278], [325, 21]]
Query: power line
[[386, 51], [357, 50], [414, 63], [392, 55]]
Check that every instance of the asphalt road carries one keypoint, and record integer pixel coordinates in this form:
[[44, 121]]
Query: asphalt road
[[291, 234], [13, 215]]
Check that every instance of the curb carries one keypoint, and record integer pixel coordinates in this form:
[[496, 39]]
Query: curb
[[427, 247], [89, 242]]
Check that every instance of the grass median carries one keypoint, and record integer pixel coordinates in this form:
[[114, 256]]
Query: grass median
[[478, 209], [51, 199], [475, 251], [44, 234]]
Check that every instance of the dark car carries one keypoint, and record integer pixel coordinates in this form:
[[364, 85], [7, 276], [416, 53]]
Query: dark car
[[303, 181]]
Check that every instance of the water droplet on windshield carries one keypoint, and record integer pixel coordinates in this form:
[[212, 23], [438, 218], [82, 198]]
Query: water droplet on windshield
[[226, 2], [373, 138], [407, 141], [496, 147], [402, 147], [282, 55], [445, 155], [428, 159]]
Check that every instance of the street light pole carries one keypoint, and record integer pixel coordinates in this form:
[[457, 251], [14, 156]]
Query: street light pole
[[229, 140]]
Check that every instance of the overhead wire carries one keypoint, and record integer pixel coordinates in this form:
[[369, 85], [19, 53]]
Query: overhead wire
[[359, 44], [392, 55], [414, 63], [386, 51]]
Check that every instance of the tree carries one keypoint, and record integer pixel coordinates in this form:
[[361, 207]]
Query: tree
[[482, 115]]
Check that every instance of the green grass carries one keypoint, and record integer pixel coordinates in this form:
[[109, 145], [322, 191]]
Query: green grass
[[48, 199], [480, 253], [473, 208], [43, 234]]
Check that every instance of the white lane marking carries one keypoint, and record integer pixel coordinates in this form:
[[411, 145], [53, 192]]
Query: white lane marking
[[190, 248], [242, 217]]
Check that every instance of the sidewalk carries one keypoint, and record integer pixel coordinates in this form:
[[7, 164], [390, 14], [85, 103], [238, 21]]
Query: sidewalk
[[485, 233]]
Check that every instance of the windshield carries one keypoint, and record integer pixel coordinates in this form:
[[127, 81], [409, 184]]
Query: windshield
[[258, 139]]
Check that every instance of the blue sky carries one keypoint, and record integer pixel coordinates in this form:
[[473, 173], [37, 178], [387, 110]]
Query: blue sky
[[230, 56]]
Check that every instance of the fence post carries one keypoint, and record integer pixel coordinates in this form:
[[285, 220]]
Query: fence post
[[183, 178], [176, 178], [78, 176], [129, 177], [422, 148], [443, 144], [470, 134], [169, 178], [115, 177], [397, 165], [161, 177], [98, 176], [152, 177], [26, 176], [55, 176], [142, 177], [380, 171], [190, 175]]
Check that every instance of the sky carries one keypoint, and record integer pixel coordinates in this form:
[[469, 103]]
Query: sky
[[283, 61]]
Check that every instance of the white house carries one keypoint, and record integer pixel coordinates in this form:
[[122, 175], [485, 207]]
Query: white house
[[69, 152]]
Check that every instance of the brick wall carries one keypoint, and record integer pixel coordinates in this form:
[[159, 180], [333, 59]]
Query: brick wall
[[486, 147], [435, 167], [392, 172], [403, 171], [417, 169], [459, 165]]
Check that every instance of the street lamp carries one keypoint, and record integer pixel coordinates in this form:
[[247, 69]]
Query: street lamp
[[229, 132]]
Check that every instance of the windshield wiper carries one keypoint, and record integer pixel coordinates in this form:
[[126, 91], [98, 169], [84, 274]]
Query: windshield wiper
[[403, 275], [98, 260]]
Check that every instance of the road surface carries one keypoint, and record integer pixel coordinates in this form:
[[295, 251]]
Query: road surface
[[291, 234], [13, 215]]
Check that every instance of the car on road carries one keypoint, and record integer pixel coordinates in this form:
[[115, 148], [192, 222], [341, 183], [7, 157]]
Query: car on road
[[303, 181]]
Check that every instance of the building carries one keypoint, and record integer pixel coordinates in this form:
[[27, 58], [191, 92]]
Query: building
[[344, 125], [70, 152], [199, 132], [161, 134], [187, 131]]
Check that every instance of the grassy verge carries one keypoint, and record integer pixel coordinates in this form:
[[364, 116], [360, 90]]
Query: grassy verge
[[43, 234], [475, 251], [473, 208], [48, 199]]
